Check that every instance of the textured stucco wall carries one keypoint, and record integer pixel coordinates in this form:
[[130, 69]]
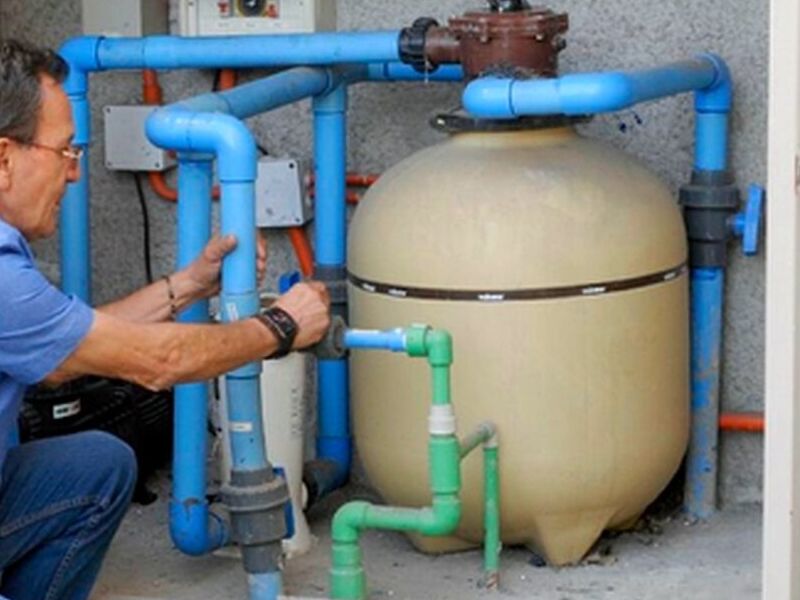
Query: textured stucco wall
[[388, 122]]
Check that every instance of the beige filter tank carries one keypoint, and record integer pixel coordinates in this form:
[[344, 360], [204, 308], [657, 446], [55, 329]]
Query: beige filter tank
[[558, 265]]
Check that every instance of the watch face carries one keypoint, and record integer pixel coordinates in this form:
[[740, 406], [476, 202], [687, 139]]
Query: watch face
[[284, 321]]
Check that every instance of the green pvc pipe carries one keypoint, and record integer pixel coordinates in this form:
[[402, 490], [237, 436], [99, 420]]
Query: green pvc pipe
[[445, 452], [486, 434], [491, 517], [348, 580]]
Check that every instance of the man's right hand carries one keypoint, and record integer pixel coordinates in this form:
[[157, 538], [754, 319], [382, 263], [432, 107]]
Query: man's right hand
[[309, 305]]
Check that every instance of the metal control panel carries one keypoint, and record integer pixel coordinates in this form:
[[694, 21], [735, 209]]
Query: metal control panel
[[127, 146], [281, 198], [255, 17]]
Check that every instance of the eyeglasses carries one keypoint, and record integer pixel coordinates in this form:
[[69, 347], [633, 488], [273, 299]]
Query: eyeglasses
[[73, 153]]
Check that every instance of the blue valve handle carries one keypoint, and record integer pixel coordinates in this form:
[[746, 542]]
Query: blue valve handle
[[287, 281], [747, 224]]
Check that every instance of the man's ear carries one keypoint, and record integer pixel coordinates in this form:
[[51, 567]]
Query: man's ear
[[6, 163]]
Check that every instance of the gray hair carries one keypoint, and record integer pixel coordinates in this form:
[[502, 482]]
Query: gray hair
[[21, 67]]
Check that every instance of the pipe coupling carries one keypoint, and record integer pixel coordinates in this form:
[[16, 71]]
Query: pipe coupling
[[412, 44], [710, 202], [335, 279], [331, 347], [256, 501], [442, 420]]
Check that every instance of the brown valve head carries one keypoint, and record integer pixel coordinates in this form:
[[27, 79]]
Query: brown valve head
[[523, 42]]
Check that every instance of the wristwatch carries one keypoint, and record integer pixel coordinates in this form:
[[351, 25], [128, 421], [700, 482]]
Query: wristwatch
[[282, 326]]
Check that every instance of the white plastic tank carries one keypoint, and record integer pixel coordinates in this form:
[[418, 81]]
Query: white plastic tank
[[283, 411]]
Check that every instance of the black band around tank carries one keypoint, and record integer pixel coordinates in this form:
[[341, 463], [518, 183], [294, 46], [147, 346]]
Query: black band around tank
[[492, 296]]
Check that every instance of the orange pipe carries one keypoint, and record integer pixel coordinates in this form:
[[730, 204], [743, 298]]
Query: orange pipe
[[351, 197], [161, 187], [151, 90], [361, 179], [305, 256], [227, 79], [352, 179], [741, 422]]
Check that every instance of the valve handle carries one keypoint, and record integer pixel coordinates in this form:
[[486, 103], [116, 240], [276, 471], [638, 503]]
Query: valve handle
[[747, 224], [288, 280]]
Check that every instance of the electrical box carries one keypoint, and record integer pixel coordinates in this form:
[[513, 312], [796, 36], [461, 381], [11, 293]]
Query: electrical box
[[132, 18], [281, 198], [255, 17], [127, 146]]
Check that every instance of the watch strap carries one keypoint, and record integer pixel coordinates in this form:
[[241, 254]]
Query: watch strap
[[282, 326]]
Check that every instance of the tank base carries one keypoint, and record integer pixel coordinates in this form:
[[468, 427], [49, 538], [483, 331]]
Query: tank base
[[565, 539], [440, 545], [628, 523]]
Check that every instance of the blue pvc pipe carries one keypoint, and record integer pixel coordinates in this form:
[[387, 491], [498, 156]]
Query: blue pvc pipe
[[229, 140], [706, 337], [709, 77], [265, 586], [193, 529], [712, 107], [334, 443], [75, 241], [330, 152], [74, 218], [362, 339], [397, 71], [330, 155], [711, 141], [90, 54], [235, 52], [264, 94], [586, 93]]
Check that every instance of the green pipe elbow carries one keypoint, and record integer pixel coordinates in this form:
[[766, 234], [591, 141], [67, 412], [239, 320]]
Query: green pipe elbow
[[436, 344], [348, 520], [442, 518], [439, 344]]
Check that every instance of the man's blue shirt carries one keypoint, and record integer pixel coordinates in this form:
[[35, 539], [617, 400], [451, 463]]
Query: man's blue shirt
[[39, 327]]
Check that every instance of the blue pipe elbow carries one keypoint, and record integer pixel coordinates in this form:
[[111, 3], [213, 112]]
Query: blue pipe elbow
[[81, 53], [489, 98], [224, 135], [592, 93], [717, 97], [194, 529]]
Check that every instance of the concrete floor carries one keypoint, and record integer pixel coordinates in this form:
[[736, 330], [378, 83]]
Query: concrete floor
[[666, 559]]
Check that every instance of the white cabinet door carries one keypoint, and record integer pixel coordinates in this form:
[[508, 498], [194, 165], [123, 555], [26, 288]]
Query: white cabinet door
[[781, 550]]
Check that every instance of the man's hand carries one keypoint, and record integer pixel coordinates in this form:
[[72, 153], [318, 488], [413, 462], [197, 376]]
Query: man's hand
[[204, 272], [309, 305]]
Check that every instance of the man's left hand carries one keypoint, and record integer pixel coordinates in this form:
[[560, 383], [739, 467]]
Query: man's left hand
[[204, 272]]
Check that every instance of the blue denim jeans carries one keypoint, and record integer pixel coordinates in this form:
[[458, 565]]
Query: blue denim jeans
[[61, 501]]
